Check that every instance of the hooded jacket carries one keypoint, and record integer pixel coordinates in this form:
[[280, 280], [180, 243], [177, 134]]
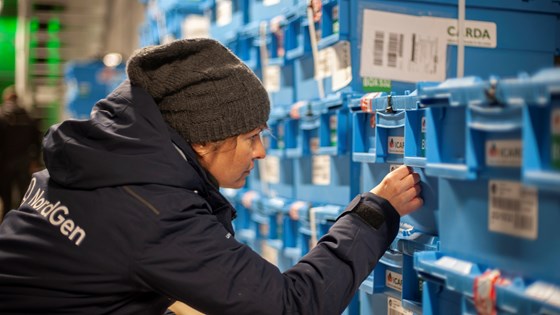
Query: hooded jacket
[[124, 220]]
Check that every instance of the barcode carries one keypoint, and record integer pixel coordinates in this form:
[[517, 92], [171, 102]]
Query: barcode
[[378, 48], [523, 222], [395, 312], [506, 204], [392, 50]]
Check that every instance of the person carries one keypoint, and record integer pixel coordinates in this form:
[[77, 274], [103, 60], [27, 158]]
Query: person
[[128, 216], [20, 145]]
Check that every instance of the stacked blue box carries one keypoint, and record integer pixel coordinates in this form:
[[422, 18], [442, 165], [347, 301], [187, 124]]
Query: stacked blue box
[[367, 46], [278, 71], [173, 14], [472, 288], [379, 144], [245, 230], [262, 10], [248, 46], [447, 136], [269, 218], [324, 172], [87, 82], [276, 170], [541, 125], [227, 17], [490, 216]]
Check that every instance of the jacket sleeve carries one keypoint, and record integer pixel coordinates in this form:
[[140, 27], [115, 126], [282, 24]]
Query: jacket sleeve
[[198, 262]]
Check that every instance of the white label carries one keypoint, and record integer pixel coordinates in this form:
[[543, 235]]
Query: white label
[[270, 169], [423, 125], [393, 280], [321, 170], [224, 12], [272, 78], [394, 307], [512, 209], [460, 266], [545, 292], [506, 153], [413, 48], [555, 121], [402, 47], [342, 66], [476, 33], [324, 68], [196, 26], [395, 145], [335, 62], [270, 2]]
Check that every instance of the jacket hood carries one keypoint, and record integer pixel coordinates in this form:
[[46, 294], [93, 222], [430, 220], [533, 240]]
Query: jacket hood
[[125, 141]]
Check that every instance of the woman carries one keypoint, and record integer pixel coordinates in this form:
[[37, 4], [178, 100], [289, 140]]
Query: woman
[[128, 217]]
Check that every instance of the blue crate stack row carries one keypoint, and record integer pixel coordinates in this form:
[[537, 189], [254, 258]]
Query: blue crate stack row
[[361, 87]]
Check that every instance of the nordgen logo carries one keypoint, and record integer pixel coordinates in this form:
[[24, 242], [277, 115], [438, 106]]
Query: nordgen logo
[[55, 213]]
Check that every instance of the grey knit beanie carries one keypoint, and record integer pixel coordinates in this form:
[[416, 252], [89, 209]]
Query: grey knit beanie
[[201, 88]]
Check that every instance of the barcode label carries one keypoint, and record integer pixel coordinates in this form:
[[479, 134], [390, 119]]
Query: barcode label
[[394, 307], [414, 48], [378, 44], [393, 49], [512, 209]]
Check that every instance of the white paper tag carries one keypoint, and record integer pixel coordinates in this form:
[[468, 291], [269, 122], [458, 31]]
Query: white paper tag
[[413, 48], [272, 78], [460, 266], [395, 145], [196, 26], [270, 169], [321, 170], [224, 12], [545, 292], [504, 153], [270, 2], [393, 280], [342, 65], [394, 307], [512, 209]]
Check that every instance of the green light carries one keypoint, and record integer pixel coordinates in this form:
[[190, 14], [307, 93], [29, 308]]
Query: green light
[[53, 26]]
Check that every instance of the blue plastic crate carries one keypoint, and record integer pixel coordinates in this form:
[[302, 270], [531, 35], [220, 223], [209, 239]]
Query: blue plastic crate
[[244, 229], [539, 97], [227, 17], [529, 297], [248, 42], [447, 136], [503, 52], [380, 122], [501, 223], [380, 303], [260, 10], [476, 285], [87, 82], [324, 172], [174, 12]]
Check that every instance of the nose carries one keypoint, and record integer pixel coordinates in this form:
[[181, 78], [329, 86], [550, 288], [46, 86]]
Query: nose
[[259, 151]]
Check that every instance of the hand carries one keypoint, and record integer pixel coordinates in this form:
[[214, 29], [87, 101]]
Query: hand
[[401, 188]]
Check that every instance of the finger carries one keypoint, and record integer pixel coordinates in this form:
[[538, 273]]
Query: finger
[[411, 180], [412, 193], [411, 206], [400, 172]]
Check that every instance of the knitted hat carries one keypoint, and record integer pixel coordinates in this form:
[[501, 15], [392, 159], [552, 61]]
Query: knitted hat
[[201, 88]]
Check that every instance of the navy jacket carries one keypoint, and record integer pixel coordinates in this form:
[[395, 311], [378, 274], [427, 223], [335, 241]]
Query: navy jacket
[[122, 223]]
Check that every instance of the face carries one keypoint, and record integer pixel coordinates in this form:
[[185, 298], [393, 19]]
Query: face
[[231, 161]]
